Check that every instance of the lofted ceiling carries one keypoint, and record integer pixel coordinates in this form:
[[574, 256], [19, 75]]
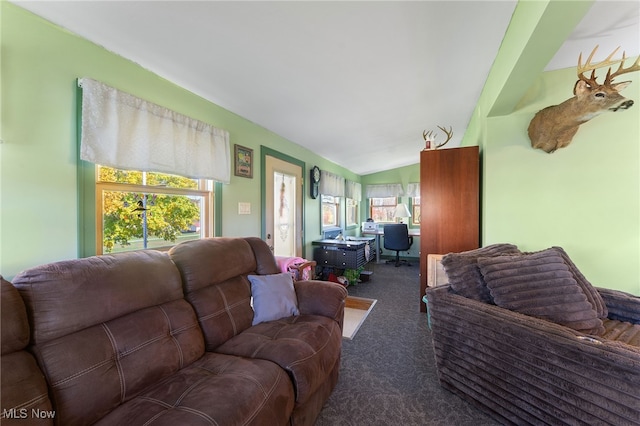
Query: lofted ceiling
[[355, 82]]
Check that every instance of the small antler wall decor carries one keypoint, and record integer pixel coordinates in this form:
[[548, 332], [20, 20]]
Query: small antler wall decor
[[430, 138], [555, 126]]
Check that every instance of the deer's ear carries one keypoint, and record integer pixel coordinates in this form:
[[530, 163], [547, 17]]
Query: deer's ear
[[581, 88], [619, 86]]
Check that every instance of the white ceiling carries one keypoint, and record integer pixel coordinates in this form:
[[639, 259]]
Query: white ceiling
[[354, 82], [608, 24]]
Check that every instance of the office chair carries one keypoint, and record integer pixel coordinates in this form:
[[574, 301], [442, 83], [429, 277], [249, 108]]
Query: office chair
[[396, 237]]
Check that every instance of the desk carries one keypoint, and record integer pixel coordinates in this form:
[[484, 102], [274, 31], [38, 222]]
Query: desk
[[342, 254], [412, 231]]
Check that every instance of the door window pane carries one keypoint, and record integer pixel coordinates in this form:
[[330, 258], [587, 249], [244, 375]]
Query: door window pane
[[284, 243]]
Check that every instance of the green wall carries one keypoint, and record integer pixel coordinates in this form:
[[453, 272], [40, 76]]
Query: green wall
[[586, 197], [39, 167]]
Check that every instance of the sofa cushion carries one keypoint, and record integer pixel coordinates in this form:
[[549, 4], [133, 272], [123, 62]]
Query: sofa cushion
[[71, 295], [265, 261], [215, 390], [214, 273], [306, 346], [620, 305], [210, 261], [124, 355], [620, 331], [463, 273], [23, 389], [593, 296], [273, 297], [540, 284]]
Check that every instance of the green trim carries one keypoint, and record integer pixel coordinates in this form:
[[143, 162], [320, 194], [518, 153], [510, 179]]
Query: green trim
[[86, 176], [264, 151], [217, 209]]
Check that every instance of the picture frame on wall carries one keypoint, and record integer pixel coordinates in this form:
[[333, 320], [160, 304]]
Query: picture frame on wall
[[243, 163]]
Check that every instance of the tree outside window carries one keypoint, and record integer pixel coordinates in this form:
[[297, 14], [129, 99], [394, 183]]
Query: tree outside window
[[140, 210]]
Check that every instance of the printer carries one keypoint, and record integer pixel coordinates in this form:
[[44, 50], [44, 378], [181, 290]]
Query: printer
[[369, 227]]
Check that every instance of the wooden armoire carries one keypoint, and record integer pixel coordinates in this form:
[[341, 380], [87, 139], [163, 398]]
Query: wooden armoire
[[449, 204]]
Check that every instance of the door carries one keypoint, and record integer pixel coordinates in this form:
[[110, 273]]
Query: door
[[283, 207]]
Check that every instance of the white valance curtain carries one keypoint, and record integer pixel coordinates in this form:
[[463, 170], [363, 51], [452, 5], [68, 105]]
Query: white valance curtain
[[413, 190], [122, 131], [353, 190], [384, 190], [331, 184]]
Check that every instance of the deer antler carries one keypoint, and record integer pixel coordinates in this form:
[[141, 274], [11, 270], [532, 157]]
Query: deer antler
[[621, 70], [448, 133], [428, 135], [608, 62]]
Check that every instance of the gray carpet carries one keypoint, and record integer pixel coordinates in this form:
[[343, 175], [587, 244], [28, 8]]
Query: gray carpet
[[388, 374]]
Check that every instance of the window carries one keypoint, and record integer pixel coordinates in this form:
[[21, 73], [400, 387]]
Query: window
[[352, 212], [139, 210], [382, 209], [415, 211], [330, 211]]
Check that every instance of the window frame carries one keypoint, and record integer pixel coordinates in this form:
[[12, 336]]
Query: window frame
[[338, 213], [371, 207], [414, 207]]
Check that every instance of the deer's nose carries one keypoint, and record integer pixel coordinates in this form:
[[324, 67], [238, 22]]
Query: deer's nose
[[624, 105]]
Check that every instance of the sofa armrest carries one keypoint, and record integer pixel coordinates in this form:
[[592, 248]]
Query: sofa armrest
[[23, 387], [526, 370], [621, 306], [321, 298], [300, 267]]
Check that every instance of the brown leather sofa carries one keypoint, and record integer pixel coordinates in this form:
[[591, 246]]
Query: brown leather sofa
[[167, 338]]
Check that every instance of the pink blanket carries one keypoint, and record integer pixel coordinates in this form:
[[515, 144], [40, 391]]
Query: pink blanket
[[288, 264]]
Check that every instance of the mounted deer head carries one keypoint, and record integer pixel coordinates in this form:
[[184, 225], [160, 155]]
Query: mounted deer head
[[555, 126], [430, 138]]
